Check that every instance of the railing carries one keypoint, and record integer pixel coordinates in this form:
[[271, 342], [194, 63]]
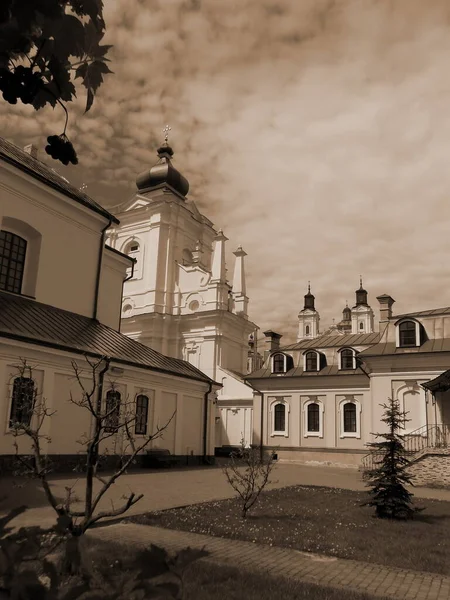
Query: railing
[[427, 436]]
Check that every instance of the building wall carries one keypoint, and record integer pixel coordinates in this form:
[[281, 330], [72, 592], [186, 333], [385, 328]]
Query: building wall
[[113, 274], [56, 385], [63, 241]]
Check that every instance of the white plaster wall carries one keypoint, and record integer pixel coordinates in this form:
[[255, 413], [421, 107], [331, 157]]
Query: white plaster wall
[[70, 240], [110, 292]]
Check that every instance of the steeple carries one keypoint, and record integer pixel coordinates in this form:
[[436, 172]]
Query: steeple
[[163, 173], [309, 299], [361, 294], [346, 313], [308, 318], [218, 271]]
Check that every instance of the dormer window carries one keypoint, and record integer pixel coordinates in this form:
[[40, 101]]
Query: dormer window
[[281, 363], [347, 359], [410, 334], [311, 361], [407, 334]]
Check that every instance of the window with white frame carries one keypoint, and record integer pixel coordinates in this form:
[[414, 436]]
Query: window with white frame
[[281, 363], [112, 411], [313, 410], [22, 401], [279, 417], [347, 359], [133, 250], [408, 334], [350, 418], [311, 361]]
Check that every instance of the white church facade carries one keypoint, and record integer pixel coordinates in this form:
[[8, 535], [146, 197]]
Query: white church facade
[[178, 299]]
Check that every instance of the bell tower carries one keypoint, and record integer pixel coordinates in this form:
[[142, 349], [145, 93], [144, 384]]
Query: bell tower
[[362, 316], [308, 318]]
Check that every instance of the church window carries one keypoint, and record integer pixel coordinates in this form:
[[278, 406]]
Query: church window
[[347, 359], [407, 334], [311, 361], [280, 417], [141, 415], [133, 250], [361, 325], [279, 411], [12, 261], [22, 401], [307, 330], [112, 411], [349, 417], [313, 417]]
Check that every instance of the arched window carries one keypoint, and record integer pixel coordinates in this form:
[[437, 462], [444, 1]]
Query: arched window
[[307, 330], [133, 250], [278, 363], [311, 361], [112, 411], [407, 334], [361, 325], [347, 359], [313, 420], [141, 415], [279, 418], [349, 409], [13, 249], [22, 401]]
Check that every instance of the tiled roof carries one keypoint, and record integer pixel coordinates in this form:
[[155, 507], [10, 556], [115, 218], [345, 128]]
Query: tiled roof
[[39, 170], [336, 341], [426, 313], [440, 345], [36, 323]]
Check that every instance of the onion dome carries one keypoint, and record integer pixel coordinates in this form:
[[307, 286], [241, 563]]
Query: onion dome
[[163, 173], [309, 299], [361, 294]]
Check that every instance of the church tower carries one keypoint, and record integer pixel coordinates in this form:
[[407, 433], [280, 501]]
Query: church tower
[[362, 316], [178, 299], [308, 318], [345, 325]]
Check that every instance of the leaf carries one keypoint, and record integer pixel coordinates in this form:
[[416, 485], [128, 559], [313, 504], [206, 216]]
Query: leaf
[[91, 8], [90, 100], [93, 77], [68, 34], [61, 77]]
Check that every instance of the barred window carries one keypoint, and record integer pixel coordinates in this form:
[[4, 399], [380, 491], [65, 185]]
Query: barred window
[[280, 417], [112, 411], [313, 417], [12, 261], [349, 417], [22, 401], [141, 415]]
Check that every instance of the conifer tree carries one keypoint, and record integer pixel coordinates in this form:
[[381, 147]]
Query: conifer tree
[[388, 477]]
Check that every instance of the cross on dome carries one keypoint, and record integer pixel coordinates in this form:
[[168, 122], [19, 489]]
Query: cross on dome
[[166, 130]]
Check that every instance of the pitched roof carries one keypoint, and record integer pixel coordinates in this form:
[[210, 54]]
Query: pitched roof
[[441, 383], [39, 170], [36, 323], [439, 345], [425, 313], [336, 341]]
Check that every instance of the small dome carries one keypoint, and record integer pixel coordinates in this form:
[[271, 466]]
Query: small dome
[[163, 173], [347, 313]]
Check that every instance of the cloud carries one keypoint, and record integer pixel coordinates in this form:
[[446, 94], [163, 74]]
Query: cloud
[[315, 133]]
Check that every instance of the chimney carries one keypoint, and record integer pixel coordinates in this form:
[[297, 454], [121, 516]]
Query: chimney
[[272, 341], [386, 303], [32, 150]]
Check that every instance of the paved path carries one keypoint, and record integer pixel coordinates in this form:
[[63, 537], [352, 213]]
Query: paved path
[[327, 571], [170, 488]]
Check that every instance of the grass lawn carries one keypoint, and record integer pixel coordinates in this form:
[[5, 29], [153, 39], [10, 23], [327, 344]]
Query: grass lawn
[[325, 521]]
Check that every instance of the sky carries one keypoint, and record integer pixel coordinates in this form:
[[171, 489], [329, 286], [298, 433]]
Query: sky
[[315, 133]]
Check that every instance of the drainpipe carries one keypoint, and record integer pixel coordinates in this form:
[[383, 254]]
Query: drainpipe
[[99, 267], [205, 423], [261, 444], [130, 276]]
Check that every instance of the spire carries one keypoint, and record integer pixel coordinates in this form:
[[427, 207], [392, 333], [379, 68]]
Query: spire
[[218, 270], [163, 173], [309, 299], [239, 286], [361, 294]]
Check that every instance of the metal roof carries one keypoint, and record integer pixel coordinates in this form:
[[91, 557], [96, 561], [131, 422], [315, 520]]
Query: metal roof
[[336, 341], [441, 383], [299, 372], [29, 321], [425, 313], [32, 166], [389, 348]]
